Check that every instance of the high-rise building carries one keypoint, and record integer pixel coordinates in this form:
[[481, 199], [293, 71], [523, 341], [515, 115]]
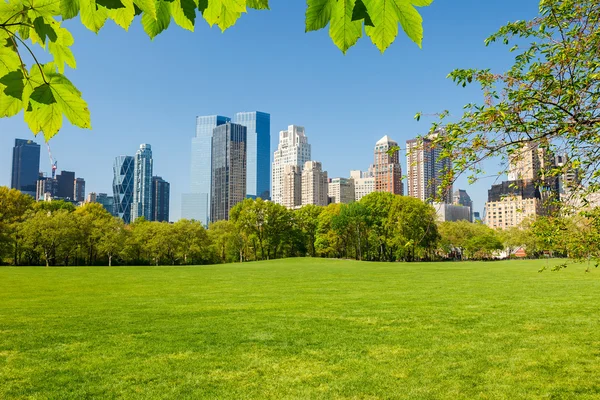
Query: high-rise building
[[315, 184], [341, 190], [258, 152], [228, 169], [530, 162], [91, 197], [452, 212], [364, 183], [426, 170], [388, 172], [196, 204], [46, 188], [512, 202], [293, 149], [66, 185], [462, 198], [79, 190], [569, 180], [161, 190], [108, 202], [25, 166], [142, 184], [123, 169], [292, 186]]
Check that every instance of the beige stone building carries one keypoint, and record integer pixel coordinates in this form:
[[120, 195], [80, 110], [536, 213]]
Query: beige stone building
[[364, 183], [292, 186], [315, 184], [426, 170], [510, 203]]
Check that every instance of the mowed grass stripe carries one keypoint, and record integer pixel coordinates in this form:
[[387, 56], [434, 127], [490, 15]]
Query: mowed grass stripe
[[301, 328]]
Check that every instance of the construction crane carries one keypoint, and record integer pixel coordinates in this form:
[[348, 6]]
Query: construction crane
[[53, 163]]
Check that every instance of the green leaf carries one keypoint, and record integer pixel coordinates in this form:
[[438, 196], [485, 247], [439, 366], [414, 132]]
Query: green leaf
[[258, 4], [9, 60], [421, 3], [343, 31], [154, 26], [11, 91], [411, 21], [69, 8], [318, 14], [111, 4], [202, 5], [93, 17], [184, 13], [43, 30], [147, 7], [384, 15], [224, 13], [61, 51], [70, 101], [360, 13], [123, 16]]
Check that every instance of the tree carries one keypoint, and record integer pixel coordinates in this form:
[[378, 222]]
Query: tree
[[328, 243], [550, 96], [45, 94], [378, 205], [307, 220], [13, 207], [192, 241], [92, 219], [113, 238], [226, 241]]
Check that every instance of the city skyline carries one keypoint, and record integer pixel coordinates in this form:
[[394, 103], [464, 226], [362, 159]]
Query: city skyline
[[317, 89]]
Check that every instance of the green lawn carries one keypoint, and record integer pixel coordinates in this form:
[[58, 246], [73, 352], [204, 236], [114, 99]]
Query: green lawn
[[301, 328]]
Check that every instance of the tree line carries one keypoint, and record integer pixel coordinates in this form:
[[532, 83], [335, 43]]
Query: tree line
[[379, 227]]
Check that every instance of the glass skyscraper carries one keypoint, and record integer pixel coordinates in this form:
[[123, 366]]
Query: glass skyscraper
[[161, 191], [258, 152], [142, 184], [196, 204], [25, 166], [123, 186], [228, 169]]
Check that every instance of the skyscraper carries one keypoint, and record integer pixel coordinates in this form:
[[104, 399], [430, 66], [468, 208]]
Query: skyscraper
[[364, 183], [341, 190], [228, 169], [293, 149], [292, 186], [258, 152], [161, 190], [108, 202], [25, 166], [142, 184], [79, 189], [315, 184], [196, 204], [461, 197], [528, 163], [66, 185], [123, 186], [388, 172], [426, 170]]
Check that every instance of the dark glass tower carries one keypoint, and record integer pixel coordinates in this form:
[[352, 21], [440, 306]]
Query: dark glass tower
[[228, 169], [161, 190], [258, 152], [123, 186], [66, 185], [26, 166]]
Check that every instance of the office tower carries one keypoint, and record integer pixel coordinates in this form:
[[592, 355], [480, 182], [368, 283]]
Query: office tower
[[25, 166], [293, 149], [196, 204], [161, 190], [530, 162], [46, 188], [462, 198], [426, 170], [142, 184], [452, 212], [66, 185], [341, 190], [314, 184], [123, 169], [568, 179], [258, 152], [512, 202], [364, 183], [228, 169], [108, 202], [91, 197], [388, 172], [79, 189]]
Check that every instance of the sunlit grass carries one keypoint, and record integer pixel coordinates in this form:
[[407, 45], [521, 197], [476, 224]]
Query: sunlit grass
[[301, 328]]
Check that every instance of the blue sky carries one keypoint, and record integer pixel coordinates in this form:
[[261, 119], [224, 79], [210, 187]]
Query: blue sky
[[142, 91]]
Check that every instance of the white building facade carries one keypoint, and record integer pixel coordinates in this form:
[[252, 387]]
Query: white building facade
[[315, 184], [364, 183], [293, 149]]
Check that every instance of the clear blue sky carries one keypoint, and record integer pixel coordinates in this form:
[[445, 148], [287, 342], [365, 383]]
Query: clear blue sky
[[142, 91]]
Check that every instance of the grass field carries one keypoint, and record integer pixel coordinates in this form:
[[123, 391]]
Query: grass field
[[301, 328]]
